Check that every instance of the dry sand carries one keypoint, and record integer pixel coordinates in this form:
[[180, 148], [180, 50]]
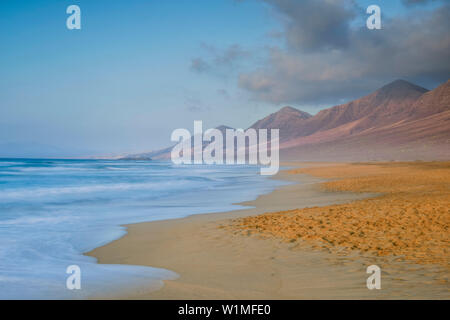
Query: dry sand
[[221, 256], [410, 221]]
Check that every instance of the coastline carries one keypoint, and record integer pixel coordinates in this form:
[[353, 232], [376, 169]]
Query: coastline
[[214, 263]]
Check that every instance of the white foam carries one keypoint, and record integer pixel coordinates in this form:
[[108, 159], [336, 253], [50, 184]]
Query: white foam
[[48, 220]]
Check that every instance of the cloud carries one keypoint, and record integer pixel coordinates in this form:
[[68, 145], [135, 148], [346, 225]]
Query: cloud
[[328, 57], [199, 65], [316, 25], [219, 61]]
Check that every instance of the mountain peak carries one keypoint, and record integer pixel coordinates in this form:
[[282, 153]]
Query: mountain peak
[[287, 120], [296, 112], [223, 128], [400, 87], [288, 108]]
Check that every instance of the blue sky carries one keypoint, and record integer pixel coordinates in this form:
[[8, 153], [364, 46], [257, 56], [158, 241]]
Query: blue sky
[[128, 78]]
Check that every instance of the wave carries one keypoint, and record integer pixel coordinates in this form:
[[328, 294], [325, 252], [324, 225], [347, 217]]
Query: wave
[[35, 220], [40, 192], [52, 212]]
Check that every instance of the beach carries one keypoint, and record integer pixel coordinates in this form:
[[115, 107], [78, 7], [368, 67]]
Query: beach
[[259, 253]]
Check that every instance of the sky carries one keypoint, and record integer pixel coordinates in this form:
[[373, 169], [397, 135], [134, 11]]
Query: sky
[[138, 69]]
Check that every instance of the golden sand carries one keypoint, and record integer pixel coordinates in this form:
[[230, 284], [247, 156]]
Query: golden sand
[[410, 218]]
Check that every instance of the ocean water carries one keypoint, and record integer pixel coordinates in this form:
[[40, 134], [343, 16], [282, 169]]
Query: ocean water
[[51, 211]]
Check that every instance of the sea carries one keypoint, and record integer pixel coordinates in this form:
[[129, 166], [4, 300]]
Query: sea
[[52, 211]]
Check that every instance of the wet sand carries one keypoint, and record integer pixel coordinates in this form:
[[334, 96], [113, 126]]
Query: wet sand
[[218, 259]]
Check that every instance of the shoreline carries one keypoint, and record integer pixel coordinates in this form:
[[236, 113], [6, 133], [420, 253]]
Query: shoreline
[[214, 263]]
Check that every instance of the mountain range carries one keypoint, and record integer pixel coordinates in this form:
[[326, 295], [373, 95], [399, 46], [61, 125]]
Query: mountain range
[[400, 121]]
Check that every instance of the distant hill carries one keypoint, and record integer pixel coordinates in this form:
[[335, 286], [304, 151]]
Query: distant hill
[[400, 121], [165, 154], [151, 155]]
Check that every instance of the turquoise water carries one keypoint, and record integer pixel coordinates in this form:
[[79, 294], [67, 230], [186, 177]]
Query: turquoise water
[[51, 211]]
